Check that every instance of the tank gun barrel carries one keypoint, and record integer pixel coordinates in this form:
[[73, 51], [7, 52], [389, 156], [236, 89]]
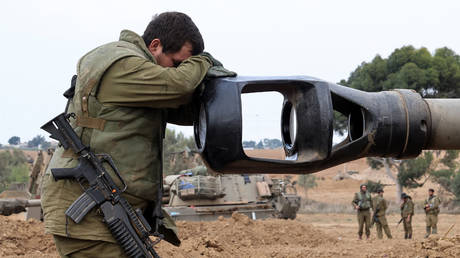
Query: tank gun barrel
[[10, 206], [445, 124], [397, 123]]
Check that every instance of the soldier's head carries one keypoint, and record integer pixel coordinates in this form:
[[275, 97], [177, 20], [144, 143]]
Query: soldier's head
[[404, 196], [172, 37], [380, 191], [363, 188], [430, 192]]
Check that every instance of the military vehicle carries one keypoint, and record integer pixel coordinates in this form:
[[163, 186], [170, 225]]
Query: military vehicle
[[196, 196]]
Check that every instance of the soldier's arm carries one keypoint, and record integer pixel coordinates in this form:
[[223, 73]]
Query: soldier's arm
[[136, 82], [436, 203], [355, 200]]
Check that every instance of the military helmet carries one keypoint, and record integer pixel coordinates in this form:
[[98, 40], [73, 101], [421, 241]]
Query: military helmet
[[404, 195], [380, 190]]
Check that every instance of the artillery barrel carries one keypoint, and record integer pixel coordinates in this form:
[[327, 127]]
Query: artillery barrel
[[445, 124]]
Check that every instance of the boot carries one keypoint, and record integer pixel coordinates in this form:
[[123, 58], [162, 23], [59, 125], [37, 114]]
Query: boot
[[360, 237], [428, 231], [434, 231], [409, 236], [405, 235]]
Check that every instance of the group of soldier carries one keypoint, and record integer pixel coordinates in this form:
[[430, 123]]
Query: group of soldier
[[363, 202]]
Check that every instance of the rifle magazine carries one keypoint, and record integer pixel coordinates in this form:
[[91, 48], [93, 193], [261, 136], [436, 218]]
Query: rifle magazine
[[79, 208]]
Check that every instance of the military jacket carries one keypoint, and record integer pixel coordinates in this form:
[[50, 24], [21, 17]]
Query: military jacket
[[363, 200], [122, 102], [407, 208], [433, 202], [380, 205]]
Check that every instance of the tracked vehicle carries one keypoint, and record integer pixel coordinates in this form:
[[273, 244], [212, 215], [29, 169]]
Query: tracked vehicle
[[198, 197]]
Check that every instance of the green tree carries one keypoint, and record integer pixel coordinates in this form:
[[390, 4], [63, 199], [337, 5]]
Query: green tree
[[249, 144], [13, 168], [430, 75], [412, 172], [306, 181], [36, 141], [45, 145], [449, 176], [14, 140], [173, 144]]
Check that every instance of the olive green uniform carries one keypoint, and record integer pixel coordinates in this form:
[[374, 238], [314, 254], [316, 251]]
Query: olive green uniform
[[432, 214], [122, 102], [380, 207], [407, 209], [364, 201]]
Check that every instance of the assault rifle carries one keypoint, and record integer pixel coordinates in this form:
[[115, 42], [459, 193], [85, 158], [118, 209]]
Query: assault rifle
[[374, 217], [399, 222], [129, 227]]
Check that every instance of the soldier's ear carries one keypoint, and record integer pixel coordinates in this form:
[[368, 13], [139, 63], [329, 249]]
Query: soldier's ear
[[155, 44]]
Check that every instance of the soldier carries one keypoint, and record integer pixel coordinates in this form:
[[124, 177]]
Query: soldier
[[380, 207], [125, 92], [407, 211], [431, 211], [362, 202]]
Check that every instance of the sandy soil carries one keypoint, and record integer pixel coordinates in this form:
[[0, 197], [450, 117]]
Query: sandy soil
[[317, 235]]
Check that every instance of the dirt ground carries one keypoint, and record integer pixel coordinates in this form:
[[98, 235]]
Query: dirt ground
[[310, 235]]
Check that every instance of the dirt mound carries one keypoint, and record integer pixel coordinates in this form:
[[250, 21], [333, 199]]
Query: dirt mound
[[24, 238], [240, 236], [439, 247]]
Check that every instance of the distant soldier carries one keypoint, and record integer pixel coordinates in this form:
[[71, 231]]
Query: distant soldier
[[407, 212], [431, 211], [380, 207], [362, 202]]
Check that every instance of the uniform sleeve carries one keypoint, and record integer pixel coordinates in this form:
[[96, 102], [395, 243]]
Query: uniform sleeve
[[136, 82], [411, 208], [436, 203]]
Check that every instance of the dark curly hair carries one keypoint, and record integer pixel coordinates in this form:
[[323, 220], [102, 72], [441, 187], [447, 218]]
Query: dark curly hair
[[173, 29]]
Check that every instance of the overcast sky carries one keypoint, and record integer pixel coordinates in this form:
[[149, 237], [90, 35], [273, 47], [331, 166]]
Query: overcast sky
[[41, 42]]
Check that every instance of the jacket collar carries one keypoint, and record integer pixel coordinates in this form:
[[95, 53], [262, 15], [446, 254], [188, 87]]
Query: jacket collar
[[133, 38]]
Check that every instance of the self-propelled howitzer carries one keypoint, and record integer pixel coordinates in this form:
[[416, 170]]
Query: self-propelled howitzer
[[398, 123]]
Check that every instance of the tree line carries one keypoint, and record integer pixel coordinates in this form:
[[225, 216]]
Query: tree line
[[36, 142]]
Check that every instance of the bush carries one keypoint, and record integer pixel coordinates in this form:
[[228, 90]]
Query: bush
[[13, 168]]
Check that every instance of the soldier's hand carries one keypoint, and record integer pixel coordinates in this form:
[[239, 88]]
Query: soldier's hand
[[217, 69]]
